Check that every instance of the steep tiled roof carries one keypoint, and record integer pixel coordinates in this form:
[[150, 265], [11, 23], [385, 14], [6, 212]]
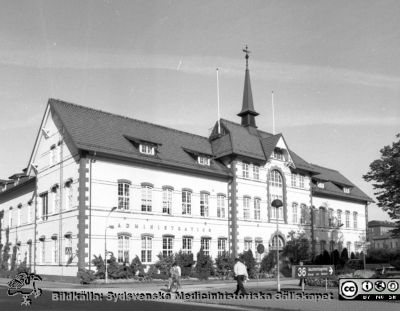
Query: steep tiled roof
[[380, 223], [268, 144], [334, 182], [102, 132]]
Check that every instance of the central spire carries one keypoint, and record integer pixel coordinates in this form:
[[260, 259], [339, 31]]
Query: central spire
[[247, 113]]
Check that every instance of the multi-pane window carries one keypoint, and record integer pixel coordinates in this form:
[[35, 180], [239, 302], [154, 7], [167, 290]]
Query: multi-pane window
[[322, 216], [186, 202], [54, 257], [147, 198], [167, 246], [123, 248], [68, 247], [43, 251], [330, 217], [69, 195], [348, 246], [346, 190], [203, 160], [19, 215], [247, 245], [275, 179], [277, 241], [167, 200], [45, 206], [355, 224], [246, 208], [147, 149], [278, 154], [221, 246], [220, 206], [294, 180], [123, 195], [187, 245], [257, 208], [204, 204], [339, 217], [294, 212], [347, 219], [146, 249], [205, 244], [10, 219], [29, 212], [303, 218], [245, 170], [256, 172], [301, 181], [56, 199], [53, 155], [276, 212]]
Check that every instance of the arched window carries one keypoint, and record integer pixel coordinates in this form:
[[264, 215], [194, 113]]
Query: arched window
[[275, 179], [280, 240]]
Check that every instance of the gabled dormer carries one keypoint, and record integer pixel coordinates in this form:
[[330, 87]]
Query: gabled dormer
[[199, 157], [144, 146], [275, 148]]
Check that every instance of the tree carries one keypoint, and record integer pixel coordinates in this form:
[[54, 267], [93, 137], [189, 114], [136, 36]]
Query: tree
[[224, 263], [98, 262], [268, 262], [136, 266], [297, 247], [326, 259], [185, 261], [344, 256], [335, 256], [204, 265], [164, 263], [385, 173], [248, 259]]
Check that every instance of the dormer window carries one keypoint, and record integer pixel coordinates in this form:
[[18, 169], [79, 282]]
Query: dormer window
[[321, 185], [346, 190], [147, 149], [203, 160], [278, 154]]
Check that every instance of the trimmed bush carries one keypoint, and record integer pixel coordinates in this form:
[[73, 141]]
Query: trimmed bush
[[185, 261], [248, 259], [204, 266], [86, 276]]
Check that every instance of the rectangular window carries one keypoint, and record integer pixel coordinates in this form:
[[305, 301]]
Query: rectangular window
[[294, 211], [256, 172], [294, 180], [355, 223], [68, 196], [55, 251], [56, 199], [346, 190], [257, 209], [186, 202], [276, 212], [204, 204], [245, 170], [167, 246], [19, 215], [10, 218], [221, 206], [123, 248], [147, 198], [278, 154], [205, 244], [246, 208], [147, 149], [303, 218], [301, 181], [43, 253], [221, 246], [123, 195], [146, 249], [29, 212], [339, 217], [45, 206], [247, 245], [347, 219], [322, 217], [68, 248], [330, 218], [202, 160], [167, 200], [53, 155], [323, 246], [348, 246], [187, 245]]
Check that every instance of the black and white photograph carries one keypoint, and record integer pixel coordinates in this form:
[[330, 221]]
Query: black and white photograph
[[200, 155]]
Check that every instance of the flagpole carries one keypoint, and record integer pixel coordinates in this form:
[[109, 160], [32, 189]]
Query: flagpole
[[219, 123], [273, 113]]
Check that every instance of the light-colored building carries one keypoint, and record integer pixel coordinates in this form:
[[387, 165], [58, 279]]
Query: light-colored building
[[172, 191], [379, 235]]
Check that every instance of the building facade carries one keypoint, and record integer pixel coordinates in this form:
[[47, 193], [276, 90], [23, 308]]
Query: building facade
[[99, 181], [379, 235]]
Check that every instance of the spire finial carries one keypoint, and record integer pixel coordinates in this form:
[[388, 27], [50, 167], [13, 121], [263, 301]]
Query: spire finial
[[247, 51]]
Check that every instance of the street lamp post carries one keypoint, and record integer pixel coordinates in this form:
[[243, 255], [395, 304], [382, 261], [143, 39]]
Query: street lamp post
[[277, 204], [105, 244]]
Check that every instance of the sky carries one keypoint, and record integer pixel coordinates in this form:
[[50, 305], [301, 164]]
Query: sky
[[333, 67]]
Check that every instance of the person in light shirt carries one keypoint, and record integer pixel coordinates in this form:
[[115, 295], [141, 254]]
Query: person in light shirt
[[241, 275]]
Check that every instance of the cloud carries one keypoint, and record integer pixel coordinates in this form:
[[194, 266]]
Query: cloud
[[58, 58]]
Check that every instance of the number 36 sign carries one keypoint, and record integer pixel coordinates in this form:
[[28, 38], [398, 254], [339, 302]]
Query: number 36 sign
[[302, 272]]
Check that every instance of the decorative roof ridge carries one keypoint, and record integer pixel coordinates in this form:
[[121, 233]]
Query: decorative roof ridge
[[54, 100], [238, 124]]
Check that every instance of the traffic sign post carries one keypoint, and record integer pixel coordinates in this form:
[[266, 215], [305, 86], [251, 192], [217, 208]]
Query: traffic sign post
[[314, 271]]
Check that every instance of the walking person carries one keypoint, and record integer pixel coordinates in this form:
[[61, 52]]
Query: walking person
[[241, 275], [175, 272]]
